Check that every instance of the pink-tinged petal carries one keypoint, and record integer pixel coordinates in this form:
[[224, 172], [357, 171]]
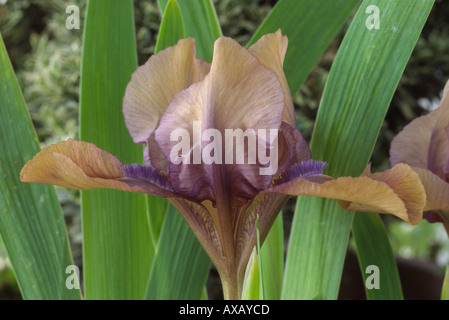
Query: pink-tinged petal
[[437, 190], [241, 93], [153, 85], [184, 110], [411, 145], [238, 93], [437, 201], [81, 165], [154, 157], [446, 167], [191, 179], [397, 191], [270, 51], [424, 142], [439, 142]]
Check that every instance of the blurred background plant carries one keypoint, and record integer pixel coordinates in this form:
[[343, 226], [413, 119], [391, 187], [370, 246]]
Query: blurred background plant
[[46, 57]]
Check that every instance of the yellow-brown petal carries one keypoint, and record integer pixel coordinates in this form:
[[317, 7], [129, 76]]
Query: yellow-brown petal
[[270, 50], [81, 165], [396, 191], [153, 85], [406, 186], [238, 93], [243, 92]]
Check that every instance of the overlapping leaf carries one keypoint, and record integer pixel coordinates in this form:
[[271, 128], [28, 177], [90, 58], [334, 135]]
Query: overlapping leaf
[[361, 84]]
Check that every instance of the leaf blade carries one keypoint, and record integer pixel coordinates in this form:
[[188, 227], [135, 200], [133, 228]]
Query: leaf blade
[[445, 288], [200, 22], [374, 249], [117, 246], [272, 261], [172, 27], [31, 221]]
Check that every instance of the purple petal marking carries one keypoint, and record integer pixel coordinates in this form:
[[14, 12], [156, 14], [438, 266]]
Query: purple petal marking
[[147, 174], [303, 169]]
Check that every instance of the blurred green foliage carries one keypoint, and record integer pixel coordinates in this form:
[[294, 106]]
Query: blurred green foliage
[[46, 57], [432, 244], [8, 286]]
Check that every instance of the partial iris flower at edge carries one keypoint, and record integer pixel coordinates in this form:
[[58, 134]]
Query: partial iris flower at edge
[[241, 89], [424, 145]]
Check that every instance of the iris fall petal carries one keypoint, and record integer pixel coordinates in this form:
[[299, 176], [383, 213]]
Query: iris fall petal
[[81, 165], [397, 191]]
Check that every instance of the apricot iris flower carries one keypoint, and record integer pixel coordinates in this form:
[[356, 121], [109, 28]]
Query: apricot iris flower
[[241, 89], [424, 145]]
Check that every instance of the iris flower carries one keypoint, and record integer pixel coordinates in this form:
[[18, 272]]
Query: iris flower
[[424, 145], [241, 89]]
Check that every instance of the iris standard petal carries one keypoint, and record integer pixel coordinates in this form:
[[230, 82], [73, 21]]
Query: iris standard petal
[[153, 85], [424, 142], [439, 142], [270, 50], [411, 145], [437, 190], [397, 191], [446, 167], [189, 177], [437, 197], [154, 157], [239, 93], [81, 165]]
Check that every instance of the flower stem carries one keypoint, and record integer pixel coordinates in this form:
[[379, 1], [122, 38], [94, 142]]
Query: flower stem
[[230, 275], [231, 287]]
